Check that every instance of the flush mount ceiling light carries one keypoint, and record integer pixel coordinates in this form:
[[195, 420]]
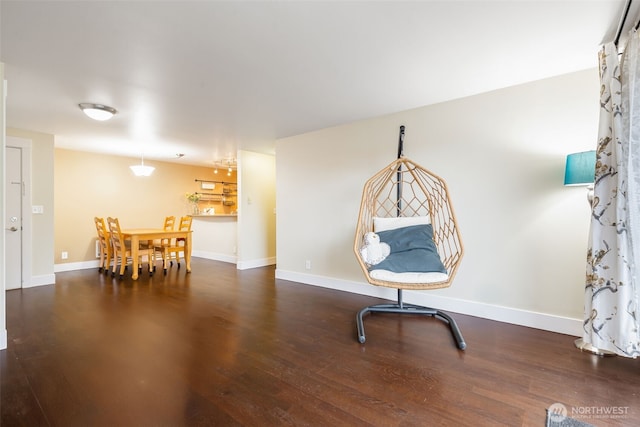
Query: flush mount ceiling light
[[97, 111]]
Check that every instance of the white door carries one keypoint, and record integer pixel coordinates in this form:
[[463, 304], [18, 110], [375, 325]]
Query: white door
[[13, 220]]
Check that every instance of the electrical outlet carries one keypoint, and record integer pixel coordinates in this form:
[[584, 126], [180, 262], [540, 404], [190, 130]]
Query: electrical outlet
[[65, 255], [307, 264]]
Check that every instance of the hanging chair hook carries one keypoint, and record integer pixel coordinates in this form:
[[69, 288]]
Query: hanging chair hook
[[401, 142]]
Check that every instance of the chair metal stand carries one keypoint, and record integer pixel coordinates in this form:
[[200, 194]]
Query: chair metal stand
[[402, 308]]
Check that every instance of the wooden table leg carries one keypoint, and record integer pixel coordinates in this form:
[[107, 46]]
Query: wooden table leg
[[135, 245], [187, 251]]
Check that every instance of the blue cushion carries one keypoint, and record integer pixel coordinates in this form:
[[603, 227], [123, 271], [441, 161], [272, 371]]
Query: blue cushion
[[412, 250], [407, 238]]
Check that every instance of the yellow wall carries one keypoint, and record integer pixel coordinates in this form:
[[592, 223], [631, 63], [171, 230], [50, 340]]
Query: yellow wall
[[89, 185]]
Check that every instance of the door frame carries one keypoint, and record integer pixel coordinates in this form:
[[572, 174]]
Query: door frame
[[25, 146]]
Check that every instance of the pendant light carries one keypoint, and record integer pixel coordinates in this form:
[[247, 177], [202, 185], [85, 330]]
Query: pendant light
[[141, 169]]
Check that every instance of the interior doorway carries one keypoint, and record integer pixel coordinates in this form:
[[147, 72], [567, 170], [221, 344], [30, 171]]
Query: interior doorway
[[18, 213]]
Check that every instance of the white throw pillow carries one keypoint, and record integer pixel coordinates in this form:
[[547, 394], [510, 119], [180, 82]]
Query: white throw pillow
[[384, 224]]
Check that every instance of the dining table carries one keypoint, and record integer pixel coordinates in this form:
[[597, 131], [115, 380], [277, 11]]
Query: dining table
[[137, 235]]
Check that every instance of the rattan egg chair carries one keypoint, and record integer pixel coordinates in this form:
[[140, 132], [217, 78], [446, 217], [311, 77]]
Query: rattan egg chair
[[405, 192]]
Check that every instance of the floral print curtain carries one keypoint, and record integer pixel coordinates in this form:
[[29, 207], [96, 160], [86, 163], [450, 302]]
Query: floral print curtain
[[611, 320]]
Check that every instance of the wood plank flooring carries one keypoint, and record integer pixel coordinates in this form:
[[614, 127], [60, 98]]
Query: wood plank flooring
[[222, 347]]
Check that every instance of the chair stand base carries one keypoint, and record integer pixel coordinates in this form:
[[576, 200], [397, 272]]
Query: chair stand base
[[401, 308]]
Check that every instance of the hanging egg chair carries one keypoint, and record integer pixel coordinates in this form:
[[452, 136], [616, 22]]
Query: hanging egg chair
[[409, 209]]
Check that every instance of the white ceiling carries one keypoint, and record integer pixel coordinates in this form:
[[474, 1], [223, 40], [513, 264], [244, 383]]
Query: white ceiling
[[206, 78]]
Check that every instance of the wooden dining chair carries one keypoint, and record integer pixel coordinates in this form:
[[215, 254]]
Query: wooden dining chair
[[104, 245], [175, 249], [160, 246], [122, 249]]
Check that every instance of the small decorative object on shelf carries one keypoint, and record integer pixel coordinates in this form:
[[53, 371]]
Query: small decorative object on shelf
[[193, 199]]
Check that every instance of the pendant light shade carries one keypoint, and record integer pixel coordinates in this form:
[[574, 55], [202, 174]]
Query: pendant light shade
[[141, 169]]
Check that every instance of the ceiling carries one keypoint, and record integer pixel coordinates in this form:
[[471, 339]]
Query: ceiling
[[206, 78]]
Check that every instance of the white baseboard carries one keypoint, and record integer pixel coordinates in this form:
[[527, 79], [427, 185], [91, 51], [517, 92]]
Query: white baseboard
[[215, 256], [255, 263], [42, 280], [240, 265], [3, 339], [531, 319], [70, 266]]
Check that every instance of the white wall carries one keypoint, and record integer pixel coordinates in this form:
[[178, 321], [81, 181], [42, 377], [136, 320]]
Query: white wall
[[215, 237], [256, 210], [502, 154]]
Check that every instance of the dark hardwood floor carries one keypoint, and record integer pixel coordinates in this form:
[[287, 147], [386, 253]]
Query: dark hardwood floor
[[226, 347]]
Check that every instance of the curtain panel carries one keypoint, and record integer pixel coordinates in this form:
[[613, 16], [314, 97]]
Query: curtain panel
[[611, 292]]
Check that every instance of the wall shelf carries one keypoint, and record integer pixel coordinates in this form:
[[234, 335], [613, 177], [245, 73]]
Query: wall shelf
[[224, 193], [209, 181], [203, 194], [215, 216]]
